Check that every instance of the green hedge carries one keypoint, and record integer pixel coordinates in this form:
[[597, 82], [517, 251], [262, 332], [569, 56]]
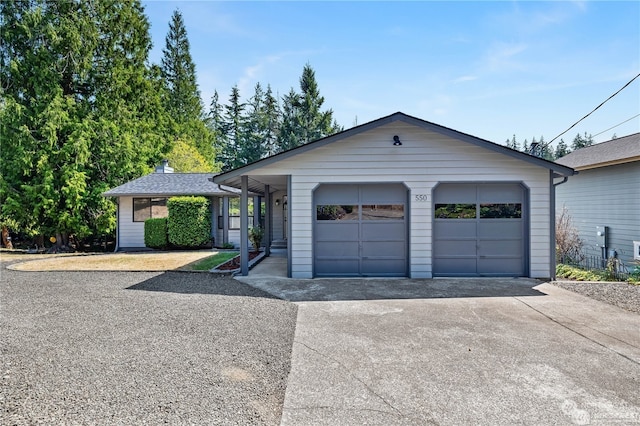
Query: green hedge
[[189, 222], [155, 233]]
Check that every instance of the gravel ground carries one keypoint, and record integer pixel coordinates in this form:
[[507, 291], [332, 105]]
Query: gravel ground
[[141, 348], [622, 295]]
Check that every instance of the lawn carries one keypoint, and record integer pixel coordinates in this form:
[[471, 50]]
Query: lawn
[[211, 261], [156, 261]]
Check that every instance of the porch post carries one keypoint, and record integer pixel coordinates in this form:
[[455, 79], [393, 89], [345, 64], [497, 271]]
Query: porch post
[[225, 219], [267, 221], [214, 222], [288, 231], [244, 226]]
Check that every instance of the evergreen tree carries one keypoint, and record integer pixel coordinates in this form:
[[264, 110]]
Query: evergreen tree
[[183, 101], [513, 144], [261, 126], [303, 120], [289, 133], [312, 122], [252, 148], [233, 132], [80, 112], [545, 151], [561, 149], [216, 126], [179, 72], [270, 122], [581, 142]]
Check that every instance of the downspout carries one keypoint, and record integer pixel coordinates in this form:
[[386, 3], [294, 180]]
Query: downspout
[[553, 223]]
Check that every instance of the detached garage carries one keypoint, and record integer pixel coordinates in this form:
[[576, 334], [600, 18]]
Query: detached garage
[[404, 197]]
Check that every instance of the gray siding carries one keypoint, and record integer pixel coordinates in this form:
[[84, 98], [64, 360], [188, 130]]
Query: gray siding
[[423, 160], [607, 196]]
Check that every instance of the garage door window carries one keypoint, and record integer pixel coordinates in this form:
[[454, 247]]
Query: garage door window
[[334, 212], [455, 211], [501, 211], [383, 212]]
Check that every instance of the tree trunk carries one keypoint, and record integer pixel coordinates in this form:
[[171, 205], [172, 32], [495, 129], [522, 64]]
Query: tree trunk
[[6, 239]]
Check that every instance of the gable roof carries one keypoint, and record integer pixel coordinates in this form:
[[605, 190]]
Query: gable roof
[[170, 184], [616, 151], [232, 177]]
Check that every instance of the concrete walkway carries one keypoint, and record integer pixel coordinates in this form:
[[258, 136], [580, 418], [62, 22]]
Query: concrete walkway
[[409, 352]]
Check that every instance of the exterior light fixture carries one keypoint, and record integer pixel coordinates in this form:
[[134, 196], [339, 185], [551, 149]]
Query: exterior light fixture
[[396, 141], [277, 202]]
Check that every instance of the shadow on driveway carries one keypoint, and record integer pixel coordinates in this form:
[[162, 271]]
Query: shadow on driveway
[[337, 289], [199, 283]]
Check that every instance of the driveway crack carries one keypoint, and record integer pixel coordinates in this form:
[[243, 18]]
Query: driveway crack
[[582, 334], [323, 355]]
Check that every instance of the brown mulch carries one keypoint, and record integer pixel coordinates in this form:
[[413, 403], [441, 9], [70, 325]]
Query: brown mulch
[[235, 262]]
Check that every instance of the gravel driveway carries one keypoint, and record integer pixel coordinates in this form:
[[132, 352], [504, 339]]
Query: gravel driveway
[[141, 348]]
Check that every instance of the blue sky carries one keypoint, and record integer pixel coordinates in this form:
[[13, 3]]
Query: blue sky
[[490, 69]]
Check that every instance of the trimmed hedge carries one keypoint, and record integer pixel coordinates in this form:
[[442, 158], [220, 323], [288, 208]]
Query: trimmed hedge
[[155, 233], [189, 222]]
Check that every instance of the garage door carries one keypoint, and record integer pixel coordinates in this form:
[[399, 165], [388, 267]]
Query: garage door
[[360, 230], [479, 230]]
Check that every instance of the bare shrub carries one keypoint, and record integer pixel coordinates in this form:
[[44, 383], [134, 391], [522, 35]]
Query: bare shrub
[[568, 242]]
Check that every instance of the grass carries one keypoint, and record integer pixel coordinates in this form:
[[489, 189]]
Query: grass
[[210, 262], [155, 261]]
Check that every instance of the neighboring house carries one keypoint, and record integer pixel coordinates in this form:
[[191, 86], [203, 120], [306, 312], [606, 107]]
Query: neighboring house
[[401, 196], [605, 193], [146, 197]]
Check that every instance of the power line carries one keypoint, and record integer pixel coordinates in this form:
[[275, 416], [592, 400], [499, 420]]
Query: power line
[[603, 102], [619, 124]]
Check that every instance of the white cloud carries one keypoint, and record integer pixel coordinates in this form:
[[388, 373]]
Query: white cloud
[[464, 78]]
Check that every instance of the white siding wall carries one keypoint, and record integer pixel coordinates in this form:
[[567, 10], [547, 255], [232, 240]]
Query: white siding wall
[[131, 233], [607, 196], [423, 160], [278, 212]]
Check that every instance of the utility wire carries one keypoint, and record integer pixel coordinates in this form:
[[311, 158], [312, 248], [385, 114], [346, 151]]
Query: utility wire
[[619, 124], [603, 102]]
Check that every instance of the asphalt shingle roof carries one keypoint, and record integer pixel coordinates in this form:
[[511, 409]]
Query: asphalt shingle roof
[[620, 150], [171, 184]]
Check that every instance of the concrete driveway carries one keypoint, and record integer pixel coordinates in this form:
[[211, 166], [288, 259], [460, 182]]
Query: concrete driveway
[[407, 352]]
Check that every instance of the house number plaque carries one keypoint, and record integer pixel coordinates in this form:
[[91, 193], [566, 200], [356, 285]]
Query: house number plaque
[[420, 198]]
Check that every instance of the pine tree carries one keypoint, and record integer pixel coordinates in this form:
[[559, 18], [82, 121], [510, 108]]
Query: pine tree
[[179, 72], [289, 132], [270, 122], [252, 148], [513, 144], [581, 142], [183, 100], [303, 120], [233, 132], [561, 149], [313, 123], [545, 150]]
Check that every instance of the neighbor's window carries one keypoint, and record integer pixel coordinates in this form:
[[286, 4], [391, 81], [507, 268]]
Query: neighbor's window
[[501, 211], [147, 208], [455, 211]]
